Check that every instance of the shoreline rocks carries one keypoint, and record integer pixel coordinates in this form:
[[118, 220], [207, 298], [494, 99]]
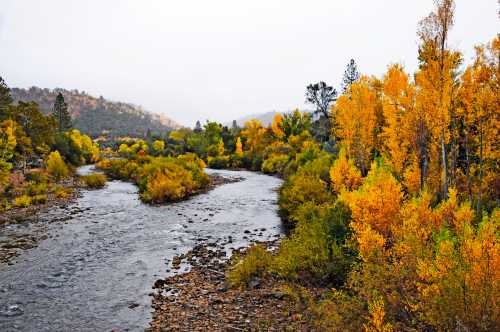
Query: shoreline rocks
[[201, 299]]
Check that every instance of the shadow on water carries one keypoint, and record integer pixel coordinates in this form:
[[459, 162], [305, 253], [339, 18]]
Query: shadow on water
[[101, 254]]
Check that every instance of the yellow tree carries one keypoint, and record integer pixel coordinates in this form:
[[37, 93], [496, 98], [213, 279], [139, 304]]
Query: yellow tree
[[355, 116], [8, 143], [255, 135], [435, 79], [376, 203], [398, 106], [277, 126], [344, 175], [479, 113], [220, 147], [158, 146], [239, 147]]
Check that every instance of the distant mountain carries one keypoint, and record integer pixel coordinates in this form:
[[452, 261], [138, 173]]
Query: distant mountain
[[266, 118], [98, 116]]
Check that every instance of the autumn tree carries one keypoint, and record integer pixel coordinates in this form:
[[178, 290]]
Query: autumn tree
[[239, 147], [436, 78], [479, 114], [8, 143], [355, 121], [399, 132], [255, 136]]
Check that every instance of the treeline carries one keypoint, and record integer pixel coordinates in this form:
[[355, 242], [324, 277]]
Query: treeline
[[98, 116], [37, 151]]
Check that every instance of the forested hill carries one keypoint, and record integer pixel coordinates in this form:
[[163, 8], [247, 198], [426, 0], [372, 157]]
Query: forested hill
[[98, 116]]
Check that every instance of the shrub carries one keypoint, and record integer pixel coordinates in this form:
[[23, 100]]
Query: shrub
[[62, 192], [22, 201], [218, 162], [56, 166], [39, 199], [37, 176], [317, 247], [34, 189], [235, 161], [162, 187], [94, 180], [276, 163], [253, 264]]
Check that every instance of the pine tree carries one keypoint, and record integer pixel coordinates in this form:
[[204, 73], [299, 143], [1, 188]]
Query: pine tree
[[197, 127], [5, 97], [351, 75], [61, 114]]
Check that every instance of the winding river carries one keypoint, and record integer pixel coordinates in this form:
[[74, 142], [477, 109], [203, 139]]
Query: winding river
[[95, 264]]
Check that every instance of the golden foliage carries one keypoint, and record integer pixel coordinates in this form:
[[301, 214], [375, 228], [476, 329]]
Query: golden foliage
[[344, 175], [56, 166]]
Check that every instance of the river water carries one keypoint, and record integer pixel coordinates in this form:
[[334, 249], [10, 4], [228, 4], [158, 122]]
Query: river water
[[100, 255]]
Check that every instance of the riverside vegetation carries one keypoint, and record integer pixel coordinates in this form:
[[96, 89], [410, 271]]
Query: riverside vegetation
[[391, 193], [38, 153], [391, 190]]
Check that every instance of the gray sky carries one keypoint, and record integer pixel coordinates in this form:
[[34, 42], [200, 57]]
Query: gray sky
[[217, 59]]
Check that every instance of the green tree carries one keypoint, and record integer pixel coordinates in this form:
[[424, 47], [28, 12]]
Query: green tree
[[5, 97], [61, 114]]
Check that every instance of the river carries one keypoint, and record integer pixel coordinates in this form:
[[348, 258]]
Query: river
[[99, 256]]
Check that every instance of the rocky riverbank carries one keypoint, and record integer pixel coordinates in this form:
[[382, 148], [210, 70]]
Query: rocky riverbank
[[201, 300]]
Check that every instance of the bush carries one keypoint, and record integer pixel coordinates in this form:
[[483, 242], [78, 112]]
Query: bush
[[94, 180], [56, 166], [22, 201], [37, 176], [39, 199], [317, 247], [62, 192], [167, 187], [253, 264], [276, 163], [218, 162], [34, 189]]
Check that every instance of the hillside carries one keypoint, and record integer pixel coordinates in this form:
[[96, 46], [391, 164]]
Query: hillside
[[98, 116]]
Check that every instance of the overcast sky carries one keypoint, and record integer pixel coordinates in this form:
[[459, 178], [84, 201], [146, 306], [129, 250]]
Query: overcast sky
[[217, 59]]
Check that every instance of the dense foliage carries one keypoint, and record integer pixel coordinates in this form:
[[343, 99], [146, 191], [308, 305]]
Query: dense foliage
[[38, 152], [401, 217], [160, 179]]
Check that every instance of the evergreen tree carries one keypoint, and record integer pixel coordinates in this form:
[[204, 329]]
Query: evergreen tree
[[322, 96], [5, 97], [235, 126], [351, 75], [61, 114], [197, 127]]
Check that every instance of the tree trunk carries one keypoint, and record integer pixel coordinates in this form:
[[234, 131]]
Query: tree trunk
[[479, 191], [445, 167], [467, 159]]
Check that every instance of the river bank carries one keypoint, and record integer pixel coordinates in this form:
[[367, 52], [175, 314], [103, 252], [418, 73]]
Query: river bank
[[201, 299]]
